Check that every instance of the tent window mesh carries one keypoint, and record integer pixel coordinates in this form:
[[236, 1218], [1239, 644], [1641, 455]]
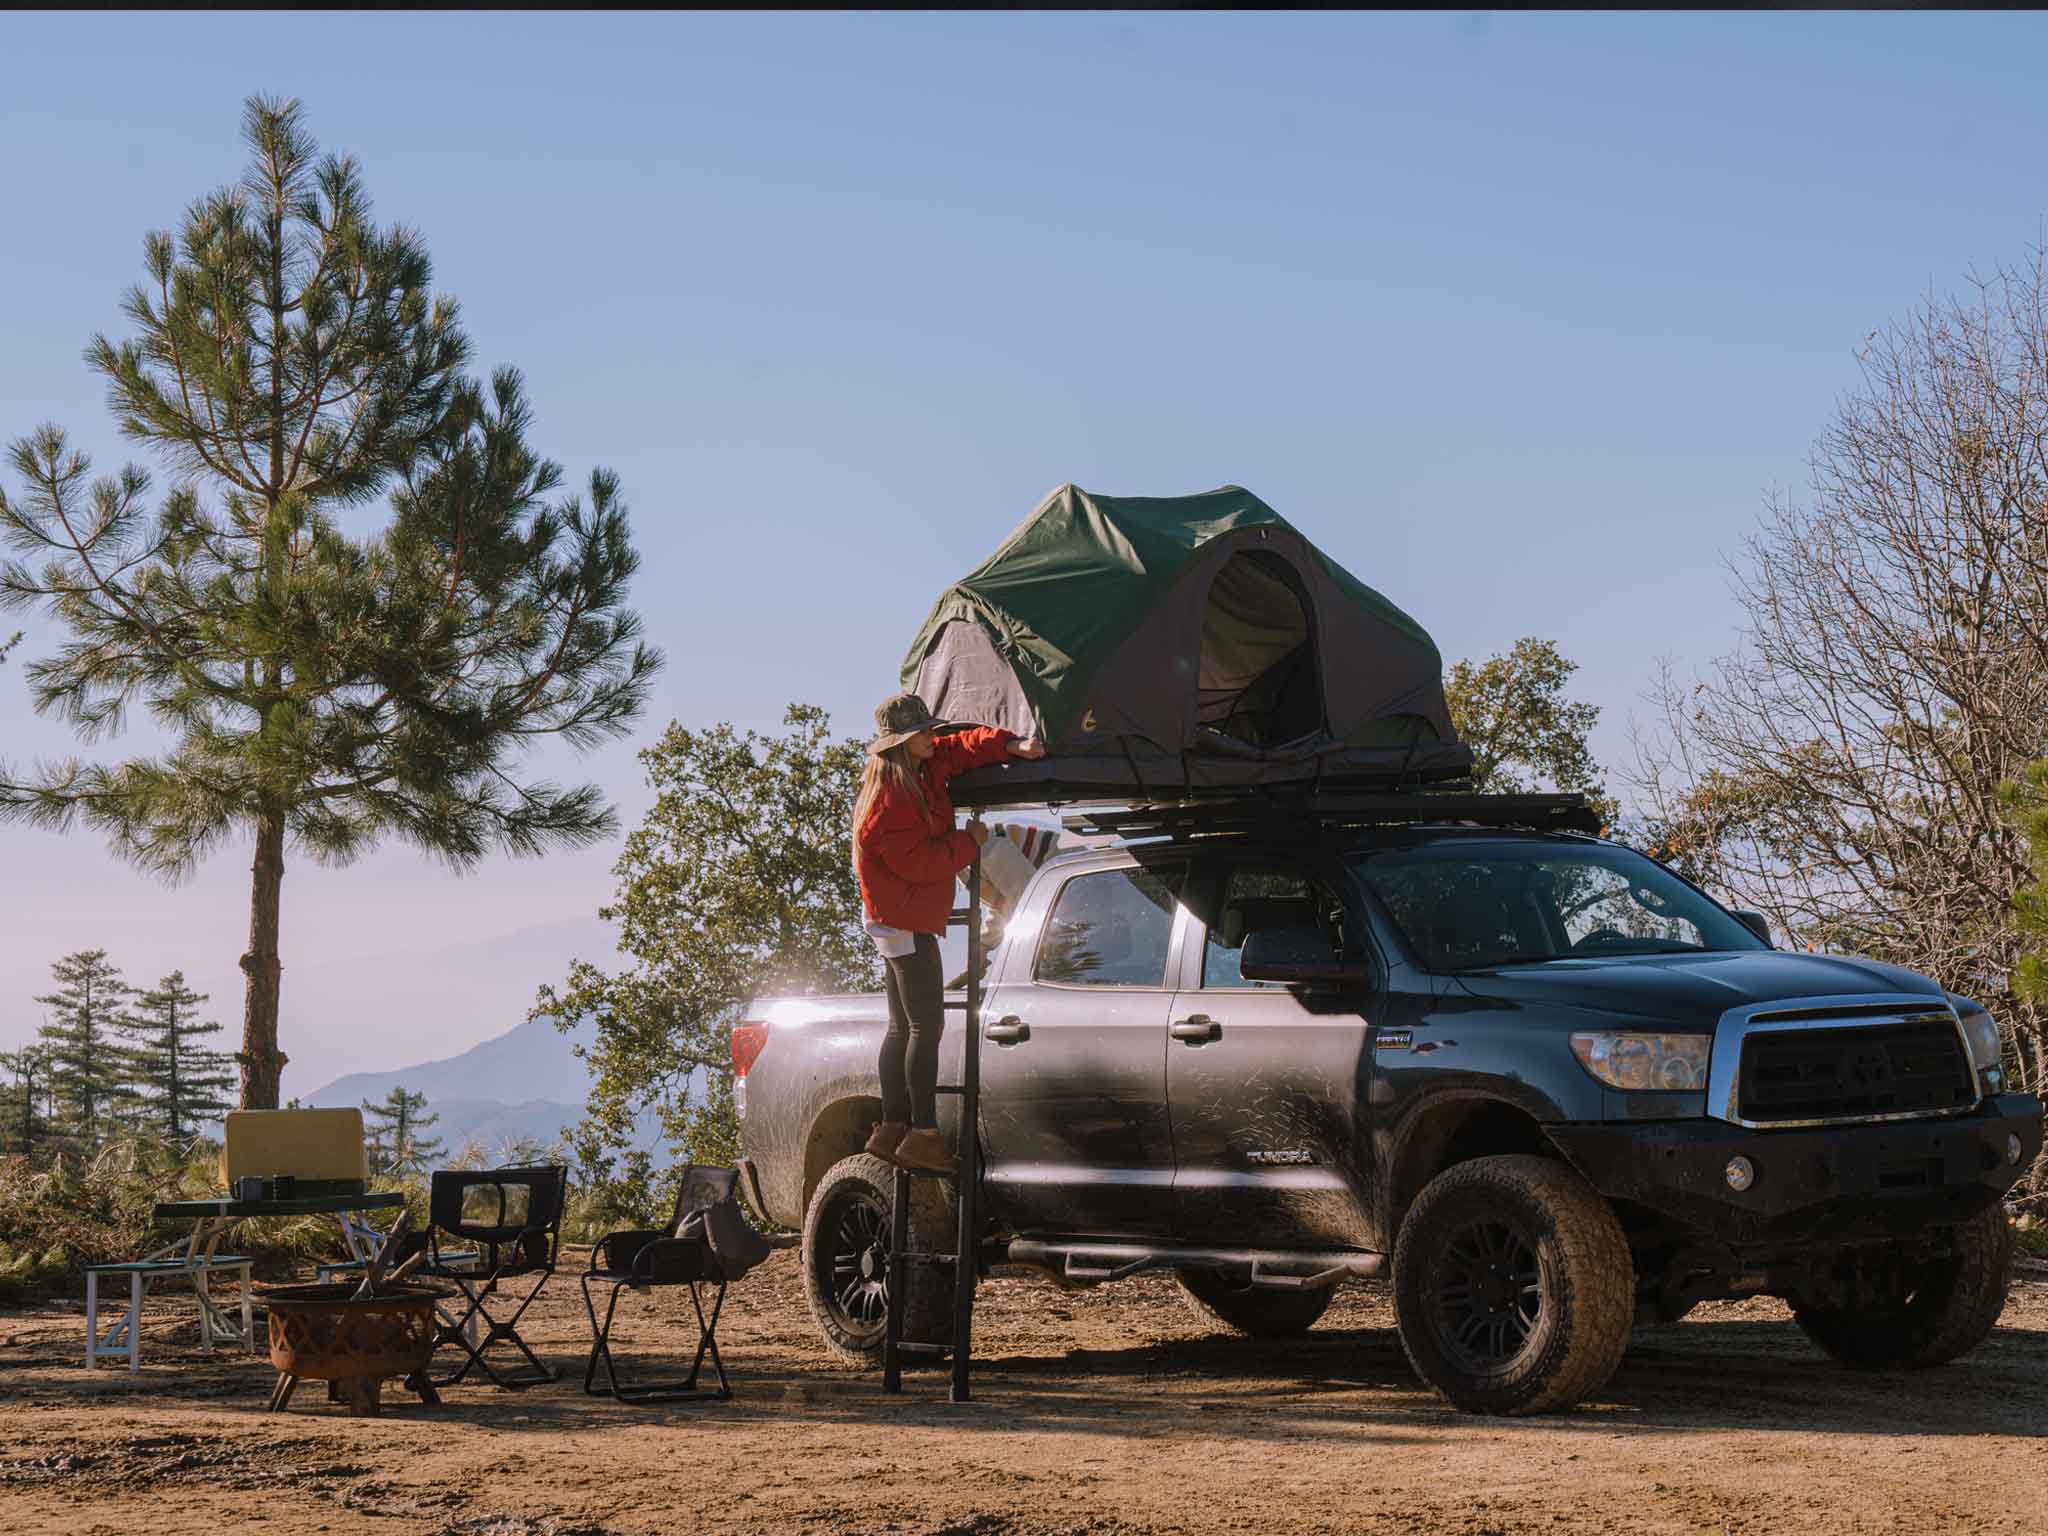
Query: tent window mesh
[[1259, 680]]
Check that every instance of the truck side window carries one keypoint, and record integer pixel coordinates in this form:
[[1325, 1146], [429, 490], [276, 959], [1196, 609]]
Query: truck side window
[[1266, 898], [1109, 929]]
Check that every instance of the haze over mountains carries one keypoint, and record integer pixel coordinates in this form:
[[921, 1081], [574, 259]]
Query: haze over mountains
[[365, 1012], [452, 1022], [525, 1083]]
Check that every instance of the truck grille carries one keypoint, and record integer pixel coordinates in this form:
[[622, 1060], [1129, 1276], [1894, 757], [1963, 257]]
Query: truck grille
[[1907, 1067]]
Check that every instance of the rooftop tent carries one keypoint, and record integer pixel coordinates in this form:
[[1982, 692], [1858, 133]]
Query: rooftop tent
[[1163, 646]]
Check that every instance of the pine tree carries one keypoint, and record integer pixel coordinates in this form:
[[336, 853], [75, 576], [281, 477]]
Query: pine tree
[[396, 1145], [324, 686], [183, 1083], [89, 1069], [24, 1117]]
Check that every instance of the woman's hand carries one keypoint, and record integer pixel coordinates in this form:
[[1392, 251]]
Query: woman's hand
[[1027, 747], [978, 832]]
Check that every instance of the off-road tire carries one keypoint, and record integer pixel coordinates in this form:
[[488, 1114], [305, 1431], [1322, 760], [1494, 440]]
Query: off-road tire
[[1553, 1234], [1953, 1305], [1257, 1312], [857, 1194]]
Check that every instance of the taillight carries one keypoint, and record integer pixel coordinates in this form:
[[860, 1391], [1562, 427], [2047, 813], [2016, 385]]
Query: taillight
[[748, 1036]]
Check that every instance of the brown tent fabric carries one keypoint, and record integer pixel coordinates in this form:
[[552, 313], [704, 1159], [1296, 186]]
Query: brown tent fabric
[[1170, 646]]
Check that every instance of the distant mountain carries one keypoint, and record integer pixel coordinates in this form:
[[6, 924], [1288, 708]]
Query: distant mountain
[[345, 1013], [526, 1082], [530, 1061]]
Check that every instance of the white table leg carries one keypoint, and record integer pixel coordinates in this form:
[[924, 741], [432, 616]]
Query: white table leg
[[205, 1311], [92, 1317], [135, 1293]]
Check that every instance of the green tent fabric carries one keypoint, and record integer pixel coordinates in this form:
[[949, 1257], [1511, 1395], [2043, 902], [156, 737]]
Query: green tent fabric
[[1157, 643]]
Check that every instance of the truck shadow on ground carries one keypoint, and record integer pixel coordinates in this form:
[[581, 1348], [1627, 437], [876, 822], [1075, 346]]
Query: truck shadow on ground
[[1698, 1376]]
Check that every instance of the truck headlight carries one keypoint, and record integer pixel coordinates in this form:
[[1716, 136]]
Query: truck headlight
[[1634, 1061], [1987, 1052]]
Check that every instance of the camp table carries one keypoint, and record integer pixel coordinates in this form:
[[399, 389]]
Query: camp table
[[210, 1219]]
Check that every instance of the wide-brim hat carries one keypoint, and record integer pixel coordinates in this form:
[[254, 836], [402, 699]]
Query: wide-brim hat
[[900, 718]]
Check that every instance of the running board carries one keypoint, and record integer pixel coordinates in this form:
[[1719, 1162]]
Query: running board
[[1086, 1263]]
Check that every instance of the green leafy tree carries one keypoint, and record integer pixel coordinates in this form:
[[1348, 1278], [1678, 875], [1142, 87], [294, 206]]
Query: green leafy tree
[[740, 881], [327, 684], [24, 1111], [89, 1070], [2027, 807], [1525, 734], [397, 1143], [181, 1084]]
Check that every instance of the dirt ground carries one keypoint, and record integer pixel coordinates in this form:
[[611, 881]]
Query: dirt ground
[[1109, 1412]]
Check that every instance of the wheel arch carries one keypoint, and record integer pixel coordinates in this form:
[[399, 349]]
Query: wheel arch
[[1451, 1130], [837, 1131]]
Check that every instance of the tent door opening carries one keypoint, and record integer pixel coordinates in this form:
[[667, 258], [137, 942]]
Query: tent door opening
[[1260, 683]]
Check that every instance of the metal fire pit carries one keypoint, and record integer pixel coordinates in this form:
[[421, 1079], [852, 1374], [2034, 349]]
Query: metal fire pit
[[322, 1333]]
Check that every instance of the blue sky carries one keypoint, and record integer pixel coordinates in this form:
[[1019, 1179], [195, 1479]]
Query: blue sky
[[1521, 317]]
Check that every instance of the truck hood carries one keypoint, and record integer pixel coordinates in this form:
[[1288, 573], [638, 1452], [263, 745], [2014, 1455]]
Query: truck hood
[[1689, 991]]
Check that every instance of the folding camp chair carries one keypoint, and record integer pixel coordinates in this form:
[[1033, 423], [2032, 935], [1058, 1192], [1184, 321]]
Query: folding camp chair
[[708, 1241], [513, 1216]]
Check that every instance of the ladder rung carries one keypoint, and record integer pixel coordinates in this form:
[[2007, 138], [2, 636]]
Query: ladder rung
[[912, 1347], [960, 915], [949, 1088], [934, 1260]]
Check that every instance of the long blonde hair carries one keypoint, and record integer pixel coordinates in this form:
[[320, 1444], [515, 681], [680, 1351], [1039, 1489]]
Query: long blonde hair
[[890, 769]]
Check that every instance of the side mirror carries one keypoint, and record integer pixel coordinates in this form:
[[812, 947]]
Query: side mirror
[[1297, 955], [1757, 924]]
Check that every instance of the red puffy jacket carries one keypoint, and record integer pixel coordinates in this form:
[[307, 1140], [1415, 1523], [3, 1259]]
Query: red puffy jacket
[[907, 855]]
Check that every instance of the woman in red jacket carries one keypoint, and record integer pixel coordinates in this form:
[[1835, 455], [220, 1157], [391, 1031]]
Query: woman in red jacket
[[907, 853]]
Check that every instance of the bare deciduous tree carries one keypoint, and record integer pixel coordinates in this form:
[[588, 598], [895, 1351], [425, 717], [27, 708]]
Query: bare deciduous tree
[[1841, 770]]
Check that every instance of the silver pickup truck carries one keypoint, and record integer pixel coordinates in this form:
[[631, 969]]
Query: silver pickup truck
[[1543, 1085]]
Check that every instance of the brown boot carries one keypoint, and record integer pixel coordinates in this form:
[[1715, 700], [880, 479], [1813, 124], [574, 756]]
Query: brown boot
[[886, 1138], [925, 1151]]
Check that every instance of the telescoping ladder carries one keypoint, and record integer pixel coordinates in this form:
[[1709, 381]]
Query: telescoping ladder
[[966, 1183]]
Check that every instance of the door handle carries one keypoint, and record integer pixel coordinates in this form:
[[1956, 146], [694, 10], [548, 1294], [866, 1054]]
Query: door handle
[[1195, 1028], [1008, 1030]]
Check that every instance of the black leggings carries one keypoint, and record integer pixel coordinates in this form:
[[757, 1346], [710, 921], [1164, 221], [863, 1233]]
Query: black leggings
[[910, 1049]]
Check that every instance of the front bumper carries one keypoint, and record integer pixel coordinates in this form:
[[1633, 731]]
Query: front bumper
[[1839, 1183]]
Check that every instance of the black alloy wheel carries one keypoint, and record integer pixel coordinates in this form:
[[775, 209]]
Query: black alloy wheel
[[846, 1259], [852, 1265], [1514, 1288], [1489, 1294]]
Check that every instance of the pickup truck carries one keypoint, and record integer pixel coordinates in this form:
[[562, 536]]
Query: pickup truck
[[1544, 1086]]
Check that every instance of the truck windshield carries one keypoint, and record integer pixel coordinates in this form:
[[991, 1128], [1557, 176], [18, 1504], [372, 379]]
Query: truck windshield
[[1466, 906]]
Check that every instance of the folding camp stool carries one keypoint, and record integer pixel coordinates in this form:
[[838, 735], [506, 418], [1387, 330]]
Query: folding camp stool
[[514, 1216], [125, 1337], [707, 1242]]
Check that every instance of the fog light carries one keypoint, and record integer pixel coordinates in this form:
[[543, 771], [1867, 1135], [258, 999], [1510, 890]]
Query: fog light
[[1741, 1174], [2013, 1148]]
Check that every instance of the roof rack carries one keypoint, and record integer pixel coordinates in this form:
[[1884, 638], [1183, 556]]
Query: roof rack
[[1277, 809]]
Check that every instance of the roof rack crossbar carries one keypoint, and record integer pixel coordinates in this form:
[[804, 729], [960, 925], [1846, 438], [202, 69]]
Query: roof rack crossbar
[[1326, 808]]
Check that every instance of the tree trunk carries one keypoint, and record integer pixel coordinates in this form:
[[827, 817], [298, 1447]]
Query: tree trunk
[[261, 1061], [2037, 1178]]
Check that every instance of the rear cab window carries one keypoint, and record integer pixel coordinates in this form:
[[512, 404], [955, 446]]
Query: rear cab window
[[1108, 928]]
